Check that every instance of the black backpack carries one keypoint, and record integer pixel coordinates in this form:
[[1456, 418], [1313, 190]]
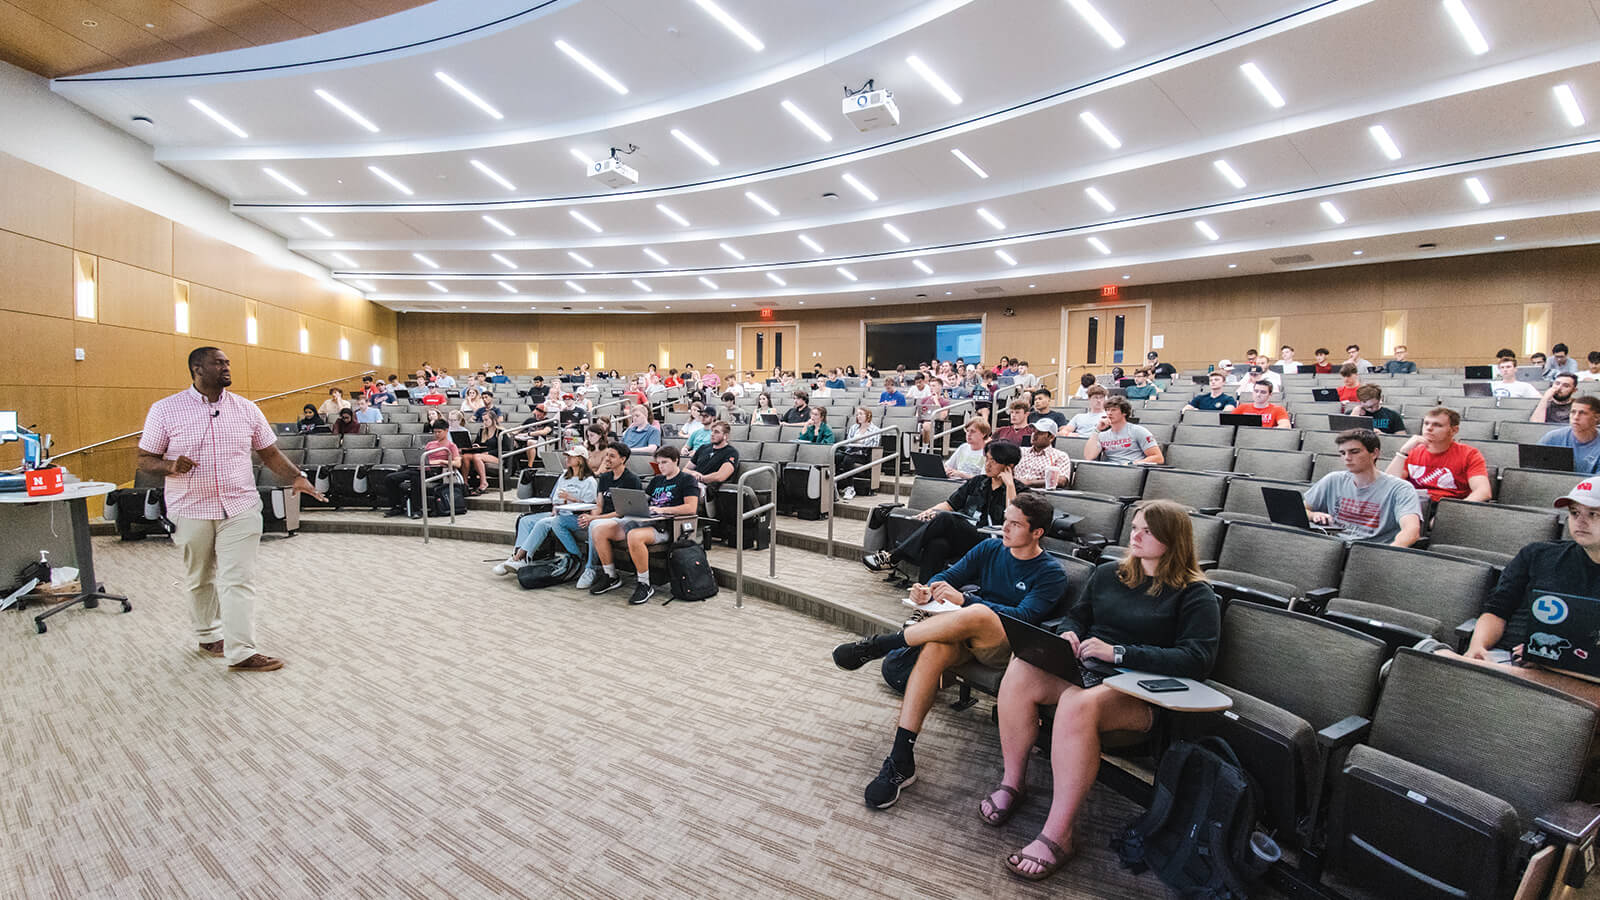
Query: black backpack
[[690, 572], [550, 571], [1196, 834]]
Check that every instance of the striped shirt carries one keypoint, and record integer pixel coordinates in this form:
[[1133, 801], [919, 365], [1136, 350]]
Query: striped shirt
[[219, 437]]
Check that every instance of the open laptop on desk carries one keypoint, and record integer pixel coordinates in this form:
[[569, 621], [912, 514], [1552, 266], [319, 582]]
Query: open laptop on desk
[[1241, 419], [1563, 634], [1325, 395], [928, 465], [1478, 373], [1477, 389], [1288, 507], [1538, 456], [1053, 653], [1346, 423]]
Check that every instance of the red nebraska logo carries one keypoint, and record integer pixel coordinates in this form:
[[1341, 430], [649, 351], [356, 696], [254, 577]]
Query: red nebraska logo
[[1586, 486]]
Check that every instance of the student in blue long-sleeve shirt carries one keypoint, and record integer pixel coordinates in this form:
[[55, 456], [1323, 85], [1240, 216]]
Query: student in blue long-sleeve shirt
[[1153, 612], [1013, 576]]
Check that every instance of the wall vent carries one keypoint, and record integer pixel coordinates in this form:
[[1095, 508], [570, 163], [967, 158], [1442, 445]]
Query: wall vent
[[1291, 260]]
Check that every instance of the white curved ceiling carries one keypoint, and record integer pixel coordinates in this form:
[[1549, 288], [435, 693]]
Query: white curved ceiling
[[447, 206]]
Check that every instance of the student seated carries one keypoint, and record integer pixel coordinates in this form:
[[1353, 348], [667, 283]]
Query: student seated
[[613, 473], [1041, 408], [1272, 415], [952, 524], [1364, 503], [1009, 575], [641, 435], [1400, 365], [1121, 441], [1435, 461], [1017, 430], [816, 430], [1216, 398], [1369, 402], [714, 464], [1087, 423], [576, 485], [1142, 388], [1559, 363], [1040, 460], [799, 412], [1555, 407], [1509, 386], [966, 461], [440, 453], [1350, 385], [671, 493], [1582, 434], [1152, 612]]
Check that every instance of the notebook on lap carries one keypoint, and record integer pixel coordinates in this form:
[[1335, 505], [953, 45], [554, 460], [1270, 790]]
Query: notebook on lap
[[1049, 651]]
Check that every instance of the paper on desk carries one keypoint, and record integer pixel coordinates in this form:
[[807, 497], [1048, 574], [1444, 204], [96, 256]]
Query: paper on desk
[[935, 606]]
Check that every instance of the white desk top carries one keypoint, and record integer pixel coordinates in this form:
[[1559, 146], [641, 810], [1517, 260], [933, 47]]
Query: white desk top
[[1199, 697], [78, 490]]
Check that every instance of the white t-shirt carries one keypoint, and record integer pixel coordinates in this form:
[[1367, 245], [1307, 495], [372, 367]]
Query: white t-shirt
[[1085, 424], [1587, 375], [1518, 389], [1126, 445]]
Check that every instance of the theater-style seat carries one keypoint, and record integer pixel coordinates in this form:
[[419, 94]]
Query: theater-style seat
[[1462, 761], [1283, 465], [1401, 596], [1199, 457], [1533, 488], [1109, 479], [1244, 502], [973, 675], [1200, 491], [1275, 565], [1487, 531]]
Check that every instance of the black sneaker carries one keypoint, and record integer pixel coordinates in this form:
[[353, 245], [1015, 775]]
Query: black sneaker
[[883, 791], [642, 593], [397, 511], [878, 561], [604, 582], [856, 654]]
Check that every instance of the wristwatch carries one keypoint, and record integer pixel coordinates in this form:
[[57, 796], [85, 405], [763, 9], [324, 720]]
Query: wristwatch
[[1116, 655]]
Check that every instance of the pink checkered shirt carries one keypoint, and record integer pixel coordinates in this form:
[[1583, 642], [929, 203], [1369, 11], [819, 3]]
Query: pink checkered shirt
[[219, 437]]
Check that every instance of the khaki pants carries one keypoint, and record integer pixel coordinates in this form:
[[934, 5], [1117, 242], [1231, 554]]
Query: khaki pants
[[219, 556]]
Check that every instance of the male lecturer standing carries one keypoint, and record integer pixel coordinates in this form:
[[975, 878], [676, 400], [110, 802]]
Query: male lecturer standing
[[201, 439]]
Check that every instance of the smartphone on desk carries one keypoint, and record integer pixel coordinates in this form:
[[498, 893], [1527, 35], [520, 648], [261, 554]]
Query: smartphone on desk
[[1164, 685]]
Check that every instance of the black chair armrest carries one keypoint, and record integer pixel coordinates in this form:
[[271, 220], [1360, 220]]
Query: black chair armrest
[[1091, 546], [1463, 633], [1207, 565], [1316, 600], [1232, 592], [1421, 544], [1345, 732], [1208, 510], [1573, 822], [1055, 624], [1128, 501], [1395, 636]]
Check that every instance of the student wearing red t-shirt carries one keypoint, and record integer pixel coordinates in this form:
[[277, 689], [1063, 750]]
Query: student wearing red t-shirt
[[1272, 415], [1322, 367], [1352, 383], [1433, 460]]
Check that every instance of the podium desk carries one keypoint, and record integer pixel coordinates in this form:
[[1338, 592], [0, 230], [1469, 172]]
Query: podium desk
[[75, 496]]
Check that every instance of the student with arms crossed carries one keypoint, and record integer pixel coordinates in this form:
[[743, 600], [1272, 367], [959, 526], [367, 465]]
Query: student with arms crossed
[[1152, 612], [1364, 503], [1009, 575], [1122, 441], [1436, 461]]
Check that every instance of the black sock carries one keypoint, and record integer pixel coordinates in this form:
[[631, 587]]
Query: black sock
[[904, 743], [884, 644]]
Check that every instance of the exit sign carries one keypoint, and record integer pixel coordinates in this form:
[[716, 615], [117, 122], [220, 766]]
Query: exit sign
[[766, 312], [1110, 290]]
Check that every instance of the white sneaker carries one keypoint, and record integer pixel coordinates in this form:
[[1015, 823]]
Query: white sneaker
[[505, 567], [513, 565], [849, 493], [586, 580]]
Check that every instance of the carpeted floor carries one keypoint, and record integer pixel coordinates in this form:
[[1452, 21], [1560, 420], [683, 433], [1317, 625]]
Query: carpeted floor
[[440, 732]]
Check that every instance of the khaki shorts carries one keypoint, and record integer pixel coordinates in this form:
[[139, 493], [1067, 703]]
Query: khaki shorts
[[996, 657]]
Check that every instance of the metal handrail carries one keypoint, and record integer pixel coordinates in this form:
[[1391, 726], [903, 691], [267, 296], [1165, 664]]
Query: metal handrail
[[851, 473], [422, 488], [133, 434], [738, 528], [971, 401], [500, 475]]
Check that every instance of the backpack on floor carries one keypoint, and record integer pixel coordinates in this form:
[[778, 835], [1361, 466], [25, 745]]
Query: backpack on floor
[[550, 571], [1196, 834], [689, 572]]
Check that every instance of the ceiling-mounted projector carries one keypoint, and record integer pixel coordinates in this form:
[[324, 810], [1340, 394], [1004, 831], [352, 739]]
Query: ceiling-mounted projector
[[614, 173], [871, 109]]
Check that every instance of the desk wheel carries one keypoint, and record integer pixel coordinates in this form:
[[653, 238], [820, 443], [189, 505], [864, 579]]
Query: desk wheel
[[127, 606], [38, 625]]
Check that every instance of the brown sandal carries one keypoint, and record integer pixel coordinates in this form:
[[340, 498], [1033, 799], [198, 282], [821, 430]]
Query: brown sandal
[[1000, 816], [1049, 868]]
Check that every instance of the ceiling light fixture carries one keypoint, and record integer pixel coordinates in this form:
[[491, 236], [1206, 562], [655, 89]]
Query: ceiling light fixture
[[656, 256], [394, 182], [1380, 136], [896, 233], [732, 24], [218, 118], [1100, 130], [1100, 199], [1332, 212], [576, 286], [585, 220], [318, 227], [933, 80], [860, 188], [776, 279], [1006, 258], [1205, 228], [502, 260], [1357, 252], [438, 287], [667, 211], [345, 108], [728, 249], [425, 260], [698, 150], [1468, 28], [992, 219], [1227, 172], [499, 226], [580, 259], [1476, 189], [1097, 22], [1569, 104], [967, 161], [590, 67], [493, 175], [922, 267], [1262, 85], [846, 273], [709, 283], [1233, 265], [507, 287], [347, 261], [642, 286], [810, 123], [815, 247], [277, 176], [765, 206], [1100, 245], [1499, 237], [470, 97]]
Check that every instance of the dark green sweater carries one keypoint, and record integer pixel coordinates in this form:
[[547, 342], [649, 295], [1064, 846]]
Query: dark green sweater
[[1174, 632]]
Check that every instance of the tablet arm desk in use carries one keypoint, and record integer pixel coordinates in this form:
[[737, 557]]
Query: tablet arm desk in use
[[1196, 697], [75, 495]]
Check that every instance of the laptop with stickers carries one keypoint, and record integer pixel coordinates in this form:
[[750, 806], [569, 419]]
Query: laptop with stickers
[[1564, 634]]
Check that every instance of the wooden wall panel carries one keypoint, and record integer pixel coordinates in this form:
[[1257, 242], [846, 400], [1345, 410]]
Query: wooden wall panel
[[131, 297], [37, 275], [215, 315], [111, 228], [49, 357], [38, 203], [126, 357]]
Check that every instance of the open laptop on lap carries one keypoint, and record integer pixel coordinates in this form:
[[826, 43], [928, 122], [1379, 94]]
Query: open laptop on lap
[[1288, 507], [631, 504], [1477, 389], [1563, 634], [1052, 653]]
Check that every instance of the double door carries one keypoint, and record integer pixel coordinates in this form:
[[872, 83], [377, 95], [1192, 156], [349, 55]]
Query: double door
[[766, 347], [1100, 337]]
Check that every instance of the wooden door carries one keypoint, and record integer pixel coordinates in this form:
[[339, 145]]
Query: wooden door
[[1101, 337], [765, 347]]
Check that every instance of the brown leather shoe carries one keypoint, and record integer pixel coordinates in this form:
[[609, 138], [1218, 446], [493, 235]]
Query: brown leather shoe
[[212, 649], [258, 663]]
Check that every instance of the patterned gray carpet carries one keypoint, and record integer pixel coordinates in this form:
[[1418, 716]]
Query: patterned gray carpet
[[441, 733]]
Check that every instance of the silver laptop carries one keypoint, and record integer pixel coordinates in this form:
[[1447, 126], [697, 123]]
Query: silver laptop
[[630, 504]]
